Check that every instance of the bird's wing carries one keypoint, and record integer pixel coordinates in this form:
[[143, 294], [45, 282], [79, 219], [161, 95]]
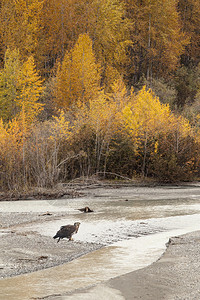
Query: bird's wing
[[81, 209], [68, 228], [63, 226]]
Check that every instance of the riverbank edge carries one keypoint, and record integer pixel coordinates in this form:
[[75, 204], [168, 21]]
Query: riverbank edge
[[175, 275], [79, 189]]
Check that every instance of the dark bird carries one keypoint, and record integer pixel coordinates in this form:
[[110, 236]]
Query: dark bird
[[86, 209], [67, 231]]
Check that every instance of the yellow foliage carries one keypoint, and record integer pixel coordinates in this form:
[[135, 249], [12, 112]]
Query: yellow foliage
[[144, 115], [20, 87], [3, 135], [78, 77], [109, 29], [11, 143], [30, 85], [21, 24], [102, 113], [111, 76], [9, 88], [61, 127], [148, 111], [15, 132], [156, 147], [100, 116]]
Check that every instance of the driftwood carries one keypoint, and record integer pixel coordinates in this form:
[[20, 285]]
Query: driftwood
[[86, 209], [46, 214]]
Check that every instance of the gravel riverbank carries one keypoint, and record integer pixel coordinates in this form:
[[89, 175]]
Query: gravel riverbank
[[24, 251], [174, 276], [27, 244]]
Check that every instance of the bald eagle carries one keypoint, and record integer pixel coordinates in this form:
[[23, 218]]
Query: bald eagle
[[67, 231]]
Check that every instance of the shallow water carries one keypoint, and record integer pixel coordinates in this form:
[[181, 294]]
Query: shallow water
[[134, 234]]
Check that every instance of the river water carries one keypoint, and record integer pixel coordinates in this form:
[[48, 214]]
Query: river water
[[133, 225]]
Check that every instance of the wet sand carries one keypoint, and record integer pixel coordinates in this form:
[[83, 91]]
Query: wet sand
[[174, 276]]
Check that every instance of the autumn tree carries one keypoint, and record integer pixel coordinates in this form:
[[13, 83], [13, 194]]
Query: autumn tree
[[9, 77], [20, 25], [187, 82], [90, 54], [19, 94], [158, 40], [144, 117], [11, 155], [62, 22], [109, 31], [95, 126], [162, 141], [175, 156], [190, 14], [78, 76], [21, 87], [30, 86]]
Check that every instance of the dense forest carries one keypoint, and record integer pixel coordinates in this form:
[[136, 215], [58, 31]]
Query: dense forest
[[105, 87]]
